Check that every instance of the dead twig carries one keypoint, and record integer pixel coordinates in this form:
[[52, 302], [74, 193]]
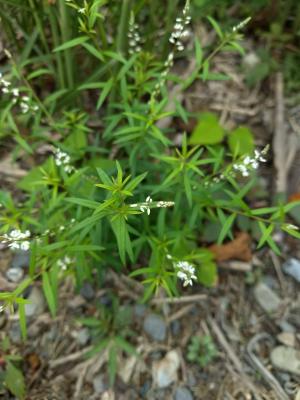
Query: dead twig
[[266, 374], [233, 357], [178, 300], [69, 358], [180, 313], [80, 379]]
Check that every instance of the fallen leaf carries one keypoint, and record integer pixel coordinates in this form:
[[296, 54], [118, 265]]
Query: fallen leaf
[[237, 249], [294, 197], [33, 361]]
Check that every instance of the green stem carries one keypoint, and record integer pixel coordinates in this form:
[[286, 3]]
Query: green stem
[[39, 25], [65, 33], [58, 55]]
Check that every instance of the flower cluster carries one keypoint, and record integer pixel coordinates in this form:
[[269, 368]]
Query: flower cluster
[[134, 37], [24, 101], [180, 30], [185, 272], [176, 37], [63, 159], [249, 164], [17, 240], [146, 205], [64, 263]]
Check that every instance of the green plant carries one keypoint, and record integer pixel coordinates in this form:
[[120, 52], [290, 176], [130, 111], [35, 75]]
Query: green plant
[[112, 190], [11, 376], [202, 350], [110, 329]]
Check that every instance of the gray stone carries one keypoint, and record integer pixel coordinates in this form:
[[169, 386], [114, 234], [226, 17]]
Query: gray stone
[[286, 359], [175, 327], [87, 291], [267, 298], [145, 388], [99, 384], [83, 336], [14, 274], [37, 303], [139, 310], [292, 268], [15, 333], [165, 371], [183, 393], [21, 259], [155, 327]]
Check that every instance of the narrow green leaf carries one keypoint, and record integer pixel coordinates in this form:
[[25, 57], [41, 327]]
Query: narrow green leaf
[[91, 49], [216, 27], [226, 228], [71, 43], [104, 93], [48, 291]]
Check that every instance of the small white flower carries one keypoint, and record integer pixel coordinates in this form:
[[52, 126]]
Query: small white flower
[[81, 10], [185, 272]]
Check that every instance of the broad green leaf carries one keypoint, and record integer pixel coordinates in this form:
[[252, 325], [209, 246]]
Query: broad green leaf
[[207, 274], [241, 141], [14, 380], [207, 131]]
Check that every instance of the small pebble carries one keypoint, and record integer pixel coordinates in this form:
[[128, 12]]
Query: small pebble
[[183, 393], [155, 327], [21, 259], [139, 310], [37, 303], [83, 336], [175, 327], [287, 338], [267, 298], [286, 359], [14, 274], [292, 268], [164, 372], [99, 384], [145, 388], [87, 291], [15, 333]]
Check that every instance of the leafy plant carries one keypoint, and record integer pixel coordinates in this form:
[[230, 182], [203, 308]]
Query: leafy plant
[[11, 376], [201, 350], [108, 187], [110, 330]]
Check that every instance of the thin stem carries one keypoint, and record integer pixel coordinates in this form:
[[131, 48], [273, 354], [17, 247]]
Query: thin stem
[[65, 32]]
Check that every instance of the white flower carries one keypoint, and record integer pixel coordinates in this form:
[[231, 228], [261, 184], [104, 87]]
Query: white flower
[[63, 159], [185, 272], [16, 240], [81, 10]]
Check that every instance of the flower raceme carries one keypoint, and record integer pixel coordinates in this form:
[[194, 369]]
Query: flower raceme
[[148, 204], [185, 272], [17, 240], [250, 163]]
